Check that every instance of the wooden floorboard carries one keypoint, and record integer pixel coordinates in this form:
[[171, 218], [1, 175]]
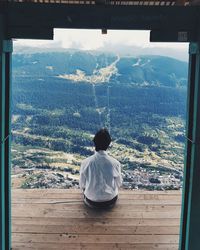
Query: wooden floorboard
[[93, 229], [95, 221], [93, 246], [81, 207], [58, 219]]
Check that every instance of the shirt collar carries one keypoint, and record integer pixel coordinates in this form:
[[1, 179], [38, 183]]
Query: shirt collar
[[101, 152]]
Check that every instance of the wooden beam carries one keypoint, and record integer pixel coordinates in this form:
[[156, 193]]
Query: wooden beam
[[5, 118], [24, 16], [30, 32], [173, 36], [180, 2], [190, 218]]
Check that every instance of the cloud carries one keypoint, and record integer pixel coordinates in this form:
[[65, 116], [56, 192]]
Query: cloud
[[180, 53], [118, 41]]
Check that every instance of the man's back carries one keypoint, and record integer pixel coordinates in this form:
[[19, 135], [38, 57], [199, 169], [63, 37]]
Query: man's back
[[100, 176]]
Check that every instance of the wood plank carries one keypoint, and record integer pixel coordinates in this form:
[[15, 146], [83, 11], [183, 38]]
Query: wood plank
[[82, 207], [59, 220], [92, 246], [72, 202], [93, 229], [95, 221], [117, 246], [74, 238], [121, 191], [78, 191], [80, 196], [92, 214]]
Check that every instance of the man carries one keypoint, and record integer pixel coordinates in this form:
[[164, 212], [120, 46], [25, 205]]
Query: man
[[100, 174]]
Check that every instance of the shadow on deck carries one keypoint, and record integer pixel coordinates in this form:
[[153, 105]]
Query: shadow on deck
[[57, 219]]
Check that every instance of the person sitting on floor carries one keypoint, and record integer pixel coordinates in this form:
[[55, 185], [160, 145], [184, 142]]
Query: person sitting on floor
[[100, 174]]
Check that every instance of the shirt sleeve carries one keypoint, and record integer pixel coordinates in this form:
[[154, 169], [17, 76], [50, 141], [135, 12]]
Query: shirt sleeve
[[118, 177], [82, 180]]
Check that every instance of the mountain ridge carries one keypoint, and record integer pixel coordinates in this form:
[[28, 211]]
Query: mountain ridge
[[79, 66]]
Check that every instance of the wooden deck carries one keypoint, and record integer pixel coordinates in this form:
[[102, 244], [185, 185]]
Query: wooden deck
[[57, 219]]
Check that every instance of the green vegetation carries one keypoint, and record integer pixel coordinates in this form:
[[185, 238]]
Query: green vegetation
[[54, 119]]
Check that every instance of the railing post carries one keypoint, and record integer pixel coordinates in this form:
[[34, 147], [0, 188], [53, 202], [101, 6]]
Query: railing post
[[190, 217], [5, 130]]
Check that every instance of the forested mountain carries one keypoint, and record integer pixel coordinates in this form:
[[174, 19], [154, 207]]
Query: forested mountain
[[61, 99], [99, 68]]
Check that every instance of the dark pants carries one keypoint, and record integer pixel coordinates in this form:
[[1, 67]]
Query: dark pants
[[102, 204]]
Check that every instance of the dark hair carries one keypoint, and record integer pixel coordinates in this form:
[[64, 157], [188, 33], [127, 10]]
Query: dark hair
[[102, 139]]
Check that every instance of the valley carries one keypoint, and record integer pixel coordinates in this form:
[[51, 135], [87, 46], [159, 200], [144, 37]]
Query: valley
[[60, 100]]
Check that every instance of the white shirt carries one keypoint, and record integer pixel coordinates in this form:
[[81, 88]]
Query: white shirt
[[100, 176]]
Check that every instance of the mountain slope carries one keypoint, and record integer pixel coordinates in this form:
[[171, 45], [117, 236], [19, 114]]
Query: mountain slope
[[100, 68], [61, 99]]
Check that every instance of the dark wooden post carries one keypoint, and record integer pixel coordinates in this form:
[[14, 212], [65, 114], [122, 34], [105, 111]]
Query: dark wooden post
[[5, 130], [190, 218]]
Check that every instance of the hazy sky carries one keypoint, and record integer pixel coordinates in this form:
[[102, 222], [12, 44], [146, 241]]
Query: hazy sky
[[113, 40]]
